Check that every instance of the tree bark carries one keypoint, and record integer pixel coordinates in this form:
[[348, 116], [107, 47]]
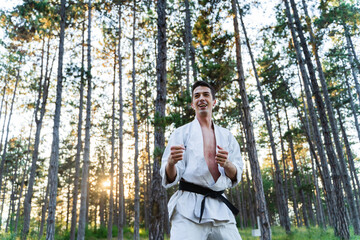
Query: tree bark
[[86, 157], [23, 181], [2, 164], [281, 198], [54, 158], [147, 161], [330, 112], [187, 44], [10, 220], [102, 200], [352, 55], [285, 187], [314, 160], [79, 141], [40, 107], [121, 123], [111, 200], [329, 189], [3, 201], [250, 139], [353, 110], [349, 153], [43, 212], [296, 170], [136, 136], [158, 197], [341, 226]]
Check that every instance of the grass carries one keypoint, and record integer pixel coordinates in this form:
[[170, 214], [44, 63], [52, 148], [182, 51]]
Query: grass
[[301, 233], [278, 233]]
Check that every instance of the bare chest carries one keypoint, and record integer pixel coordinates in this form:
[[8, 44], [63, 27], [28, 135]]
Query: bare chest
[[209, 143], [210, 151]]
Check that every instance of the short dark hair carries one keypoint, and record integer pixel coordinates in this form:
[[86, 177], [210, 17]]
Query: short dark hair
[[204, 84]]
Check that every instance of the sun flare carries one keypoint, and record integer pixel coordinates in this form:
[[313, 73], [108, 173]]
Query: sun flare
[[106, 183]]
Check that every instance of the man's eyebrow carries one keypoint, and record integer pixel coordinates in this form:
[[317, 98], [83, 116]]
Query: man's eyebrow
[[205, 91]]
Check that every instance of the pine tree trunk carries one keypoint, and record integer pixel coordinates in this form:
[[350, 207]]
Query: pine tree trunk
[[86, 160], [320, 215], [187, 44], [3, 157], [3, 126], [121, 123], [158, 196], [54, 158], [243, 205], [2, 164], [189, 48], [10, 220], [102, 200], [342, 164], [286, 195], [3, 201], [79, 141], [87, 202], [351, 55], [25, 172], [39, 115], [353, 110], [116, 204], [68, 198], [250, 139], [136, 136], [329, 189], [281, 195], [43, 212], [250, 197], [314, 160], [147, 163], [111, 201], [3, 97], [341, 226], [310, 201], [349, 153], [296, 170]]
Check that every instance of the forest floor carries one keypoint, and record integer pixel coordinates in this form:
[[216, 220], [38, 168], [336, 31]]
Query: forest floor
[[278, 233]]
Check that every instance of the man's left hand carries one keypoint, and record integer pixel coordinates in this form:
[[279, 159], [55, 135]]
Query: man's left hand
[[221, 156]]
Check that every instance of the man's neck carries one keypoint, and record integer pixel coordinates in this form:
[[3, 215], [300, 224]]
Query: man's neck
[[205, 121]]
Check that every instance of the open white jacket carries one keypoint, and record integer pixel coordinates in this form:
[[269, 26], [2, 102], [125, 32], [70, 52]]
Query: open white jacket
[[193, 168]]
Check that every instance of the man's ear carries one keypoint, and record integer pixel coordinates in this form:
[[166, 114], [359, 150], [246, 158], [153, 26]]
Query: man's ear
[[214, 102]]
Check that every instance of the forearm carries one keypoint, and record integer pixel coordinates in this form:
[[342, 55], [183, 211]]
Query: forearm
[[170, 171], [230, 170]]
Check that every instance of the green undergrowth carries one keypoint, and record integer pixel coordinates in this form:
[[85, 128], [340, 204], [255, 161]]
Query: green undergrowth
[[278, 233], [299, 233]]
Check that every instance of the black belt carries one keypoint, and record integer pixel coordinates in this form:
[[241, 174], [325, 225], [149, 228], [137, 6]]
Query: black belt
[[190, 187]]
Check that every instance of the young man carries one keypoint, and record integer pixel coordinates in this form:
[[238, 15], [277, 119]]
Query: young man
[[206, 159]]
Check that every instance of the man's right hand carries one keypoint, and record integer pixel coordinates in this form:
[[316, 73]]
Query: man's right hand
[[176, 154]]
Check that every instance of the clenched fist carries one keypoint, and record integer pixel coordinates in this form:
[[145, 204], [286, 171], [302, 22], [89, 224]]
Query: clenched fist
[[176, 154]]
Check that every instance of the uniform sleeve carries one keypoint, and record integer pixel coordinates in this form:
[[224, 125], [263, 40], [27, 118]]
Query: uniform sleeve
[[176, 138], [236, 159]]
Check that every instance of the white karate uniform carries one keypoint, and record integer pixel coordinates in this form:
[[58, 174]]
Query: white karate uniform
[[193, 168]]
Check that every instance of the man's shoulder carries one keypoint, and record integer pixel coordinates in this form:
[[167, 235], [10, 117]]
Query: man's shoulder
[[224, 130], [184, 127]]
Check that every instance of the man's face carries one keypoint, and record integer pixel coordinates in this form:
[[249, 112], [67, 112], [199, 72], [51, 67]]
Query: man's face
[[202, 101]]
